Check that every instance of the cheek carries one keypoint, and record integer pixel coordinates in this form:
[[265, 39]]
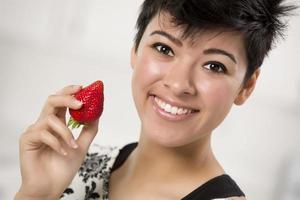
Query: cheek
[[147, 71], [217, 100], [217, 96]]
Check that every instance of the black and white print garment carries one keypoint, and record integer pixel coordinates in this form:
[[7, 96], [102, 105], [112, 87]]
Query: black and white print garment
[[91, 180]]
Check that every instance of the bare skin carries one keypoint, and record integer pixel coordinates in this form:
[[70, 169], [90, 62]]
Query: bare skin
[[144, 177], [174, 157], [49, 154], [174, 154]]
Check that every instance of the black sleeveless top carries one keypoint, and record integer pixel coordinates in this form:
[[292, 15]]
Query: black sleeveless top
[[222, 186]]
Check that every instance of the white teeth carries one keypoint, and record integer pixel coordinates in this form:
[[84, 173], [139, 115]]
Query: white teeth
[[168, 108], [180, 111], [172, 109], [185, 111]]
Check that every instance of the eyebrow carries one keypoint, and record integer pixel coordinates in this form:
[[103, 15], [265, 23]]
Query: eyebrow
[[169, 36], [207, 51], [221, 52]]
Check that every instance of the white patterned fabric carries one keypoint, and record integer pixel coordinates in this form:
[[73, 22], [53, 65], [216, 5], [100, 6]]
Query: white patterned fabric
[[91, 180]]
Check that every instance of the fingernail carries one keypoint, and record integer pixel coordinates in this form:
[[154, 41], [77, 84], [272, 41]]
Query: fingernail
[[74, 144], [78, 103], [63, 152]]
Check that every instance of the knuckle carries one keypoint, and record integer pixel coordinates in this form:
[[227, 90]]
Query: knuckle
[[51, 98], [27, 133], [73, 86], [46, 137], [47, 120], [62, 90], [30, 128], [73, 101], [68, 99], [50, 119], [42, 134], [65, 89]]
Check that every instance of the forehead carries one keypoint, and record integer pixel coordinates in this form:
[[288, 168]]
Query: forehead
[[219, 36]]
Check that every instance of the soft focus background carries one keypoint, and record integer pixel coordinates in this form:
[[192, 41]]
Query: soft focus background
[[45, 45]]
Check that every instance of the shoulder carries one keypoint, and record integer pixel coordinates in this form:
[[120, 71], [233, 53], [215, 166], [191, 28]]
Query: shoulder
[[221, 187], [232, 189]]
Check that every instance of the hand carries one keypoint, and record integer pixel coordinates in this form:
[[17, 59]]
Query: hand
[[49, 154]]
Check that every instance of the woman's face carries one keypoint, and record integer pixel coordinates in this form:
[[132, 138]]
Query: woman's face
[[184, 88]]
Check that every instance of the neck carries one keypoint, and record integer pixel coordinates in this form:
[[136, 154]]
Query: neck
[[191, 160]]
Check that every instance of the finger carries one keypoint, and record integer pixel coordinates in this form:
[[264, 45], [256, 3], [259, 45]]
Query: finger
[[87, 135], [54, 102], [51, 141], [69, 90], [30, 141], [57, 126]]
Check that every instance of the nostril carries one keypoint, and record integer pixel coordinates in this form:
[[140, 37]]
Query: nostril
[[187, 93], [180, 88], [179, 78]]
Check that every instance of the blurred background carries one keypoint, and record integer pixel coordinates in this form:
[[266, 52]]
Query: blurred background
[[46, 45]]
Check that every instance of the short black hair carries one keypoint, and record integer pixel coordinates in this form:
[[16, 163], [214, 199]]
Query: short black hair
[[260, 21]]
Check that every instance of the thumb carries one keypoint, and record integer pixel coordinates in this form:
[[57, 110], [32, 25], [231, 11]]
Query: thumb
[[87, 135]]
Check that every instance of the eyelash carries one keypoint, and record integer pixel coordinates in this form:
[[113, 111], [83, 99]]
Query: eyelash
[[162, 48], [214, 64]]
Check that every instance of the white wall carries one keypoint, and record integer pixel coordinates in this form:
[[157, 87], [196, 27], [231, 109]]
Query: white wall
[[45, 45]]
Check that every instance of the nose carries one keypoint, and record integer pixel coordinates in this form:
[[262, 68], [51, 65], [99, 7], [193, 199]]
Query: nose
[[179, 79]]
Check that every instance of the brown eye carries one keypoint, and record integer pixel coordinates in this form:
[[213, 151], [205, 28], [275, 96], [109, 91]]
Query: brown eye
[[216, 67], [164, 49]]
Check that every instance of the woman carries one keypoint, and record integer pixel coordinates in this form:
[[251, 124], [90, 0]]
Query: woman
[[191, 61]]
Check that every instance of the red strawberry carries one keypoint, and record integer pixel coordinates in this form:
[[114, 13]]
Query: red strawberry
[[92, 99]]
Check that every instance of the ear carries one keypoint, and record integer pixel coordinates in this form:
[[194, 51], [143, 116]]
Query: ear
[[133, 56], [247, 88]]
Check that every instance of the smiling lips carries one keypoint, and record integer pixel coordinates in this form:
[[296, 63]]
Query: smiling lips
[[170, 109]]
